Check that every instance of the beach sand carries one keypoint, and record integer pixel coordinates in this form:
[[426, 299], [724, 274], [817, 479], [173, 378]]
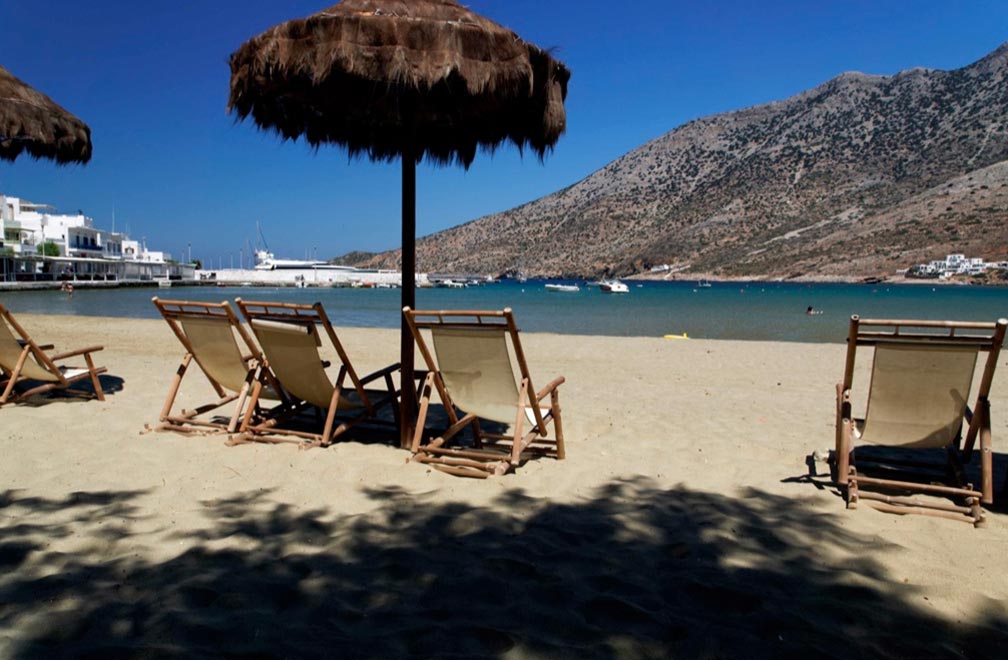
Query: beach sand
[[682, 523]]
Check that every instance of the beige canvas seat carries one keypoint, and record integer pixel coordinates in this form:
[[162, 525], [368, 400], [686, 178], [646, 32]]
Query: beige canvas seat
[[25, 363], [290, 338], [921, 376], [471, 370], [226, 354]]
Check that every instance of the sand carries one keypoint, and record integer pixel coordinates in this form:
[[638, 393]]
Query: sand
[[683, 523]]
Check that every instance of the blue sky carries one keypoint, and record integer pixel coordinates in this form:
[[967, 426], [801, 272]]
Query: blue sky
[[151, 79]]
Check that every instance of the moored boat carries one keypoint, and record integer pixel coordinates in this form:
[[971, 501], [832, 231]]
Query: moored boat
[[613, 286], [562, 288]]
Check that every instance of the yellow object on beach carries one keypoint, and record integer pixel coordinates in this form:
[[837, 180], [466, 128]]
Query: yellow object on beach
[[682, 336]]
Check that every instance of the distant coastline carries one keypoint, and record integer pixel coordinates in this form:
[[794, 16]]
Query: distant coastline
[[816, 279]]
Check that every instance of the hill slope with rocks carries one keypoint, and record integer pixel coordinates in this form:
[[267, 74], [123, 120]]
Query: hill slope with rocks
[[860, 176]]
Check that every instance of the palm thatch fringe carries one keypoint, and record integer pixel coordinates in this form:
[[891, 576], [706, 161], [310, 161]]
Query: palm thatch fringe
[[374, 75], [32, 122]]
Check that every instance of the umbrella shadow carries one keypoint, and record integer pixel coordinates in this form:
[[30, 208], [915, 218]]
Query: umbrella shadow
[[631, 570]]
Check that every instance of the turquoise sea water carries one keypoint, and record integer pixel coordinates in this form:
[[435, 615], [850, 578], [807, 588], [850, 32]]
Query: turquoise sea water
[[726, 310]]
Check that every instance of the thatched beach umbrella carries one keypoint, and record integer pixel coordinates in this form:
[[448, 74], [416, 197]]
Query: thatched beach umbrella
[[404, 79], [30, 121]]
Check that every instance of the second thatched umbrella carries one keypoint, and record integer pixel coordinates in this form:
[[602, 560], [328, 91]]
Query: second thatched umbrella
[[401, 79], [32, 122]]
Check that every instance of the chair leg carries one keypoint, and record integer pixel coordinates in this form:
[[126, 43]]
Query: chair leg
[[242, 399], [557, 424], [425, 394], [15, 375], [7, 390], [477, 433], [395, 403], [986, 456], [517, 445], [843, 437], [94, 377], [330, 418], [252, 406], [176, 383]]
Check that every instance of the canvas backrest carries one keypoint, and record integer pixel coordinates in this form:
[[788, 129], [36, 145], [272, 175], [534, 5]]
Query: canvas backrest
[[291, 350], [477, 370], [10, 353], [214, 346], [918, 394]]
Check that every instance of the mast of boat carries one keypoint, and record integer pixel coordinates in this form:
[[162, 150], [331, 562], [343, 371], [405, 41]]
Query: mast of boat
[[260, 236]]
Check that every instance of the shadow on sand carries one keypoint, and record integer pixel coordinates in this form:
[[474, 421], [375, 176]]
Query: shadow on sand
[[632, 570], [79, 391]]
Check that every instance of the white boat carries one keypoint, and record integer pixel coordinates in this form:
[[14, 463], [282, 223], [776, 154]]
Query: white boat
[[613, 286], [164, 283], [450, 284], [562, 288], [703, 284]]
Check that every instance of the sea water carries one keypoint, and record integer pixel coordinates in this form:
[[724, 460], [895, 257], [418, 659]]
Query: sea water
[[725, 310]]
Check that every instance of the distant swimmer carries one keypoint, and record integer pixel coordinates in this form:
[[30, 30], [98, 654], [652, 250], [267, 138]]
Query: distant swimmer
[[68, 288], [811, 310]]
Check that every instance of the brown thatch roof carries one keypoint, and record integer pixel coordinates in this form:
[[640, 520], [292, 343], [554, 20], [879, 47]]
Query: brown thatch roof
[[369, 74], [30, 121]]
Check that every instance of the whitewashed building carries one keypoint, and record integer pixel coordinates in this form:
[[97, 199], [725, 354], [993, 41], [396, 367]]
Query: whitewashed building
[[37, 243]]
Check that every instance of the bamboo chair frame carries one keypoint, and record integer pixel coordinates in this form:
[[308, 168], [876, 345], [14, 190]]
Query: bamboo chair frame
[[982, 337], [35, 364], [493, 454], [176, 313], [372, 401]]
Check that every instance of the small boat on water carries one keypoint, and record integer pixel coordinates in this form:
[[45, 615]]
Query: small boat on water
[[613, 286], [450, 284], [164, 283], [703, 284], [563, 288]]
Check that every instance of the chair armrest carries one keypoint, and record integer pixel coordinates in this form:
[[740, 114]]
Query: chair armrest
[[79, 351], [43, 347], [380, 373], [552, 385]]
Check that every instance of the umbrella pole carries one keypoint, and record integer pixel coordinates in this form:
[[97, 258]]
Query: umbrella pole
[[407, 401]]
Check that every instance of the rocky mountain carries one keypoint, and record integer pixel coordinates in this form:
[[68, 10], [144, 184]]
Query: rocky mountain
[[857, 177]]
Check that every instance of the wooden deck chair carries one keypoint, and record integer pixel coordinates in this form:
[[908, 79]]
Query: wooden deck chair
[[290, 338], [213, 336], [473, 372], [922, 372], [23, 361]]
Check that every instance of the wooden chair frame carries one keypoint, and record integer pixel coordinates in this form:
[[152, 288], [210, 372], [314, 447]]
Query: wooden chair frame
[[987, 337], [188, 421], [271, 430], [493, 454], [12, 375]]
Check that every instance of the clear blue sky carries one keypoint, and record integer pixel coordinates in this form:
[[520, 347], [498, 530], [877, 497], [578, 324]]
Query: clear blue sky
[[151, 79]]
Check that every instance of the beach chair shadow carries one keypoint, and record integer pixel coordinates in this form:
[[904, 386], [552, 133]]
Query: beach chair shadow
[[28, 369], [223, 350], [110, 386], [322, 409], [910, 439], [471, 370]]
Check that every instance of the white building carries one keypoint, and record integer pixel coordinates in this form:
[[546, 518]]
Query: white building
[[77, 249], [28, 226], [954, 264]]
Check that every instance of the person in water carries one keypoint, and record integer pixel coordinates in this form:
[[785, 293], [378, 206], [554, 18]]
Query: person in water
[[812, 310]]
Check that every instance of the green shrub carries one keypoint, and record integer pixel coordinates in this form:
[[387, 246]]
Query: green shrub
[[48, 249]]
